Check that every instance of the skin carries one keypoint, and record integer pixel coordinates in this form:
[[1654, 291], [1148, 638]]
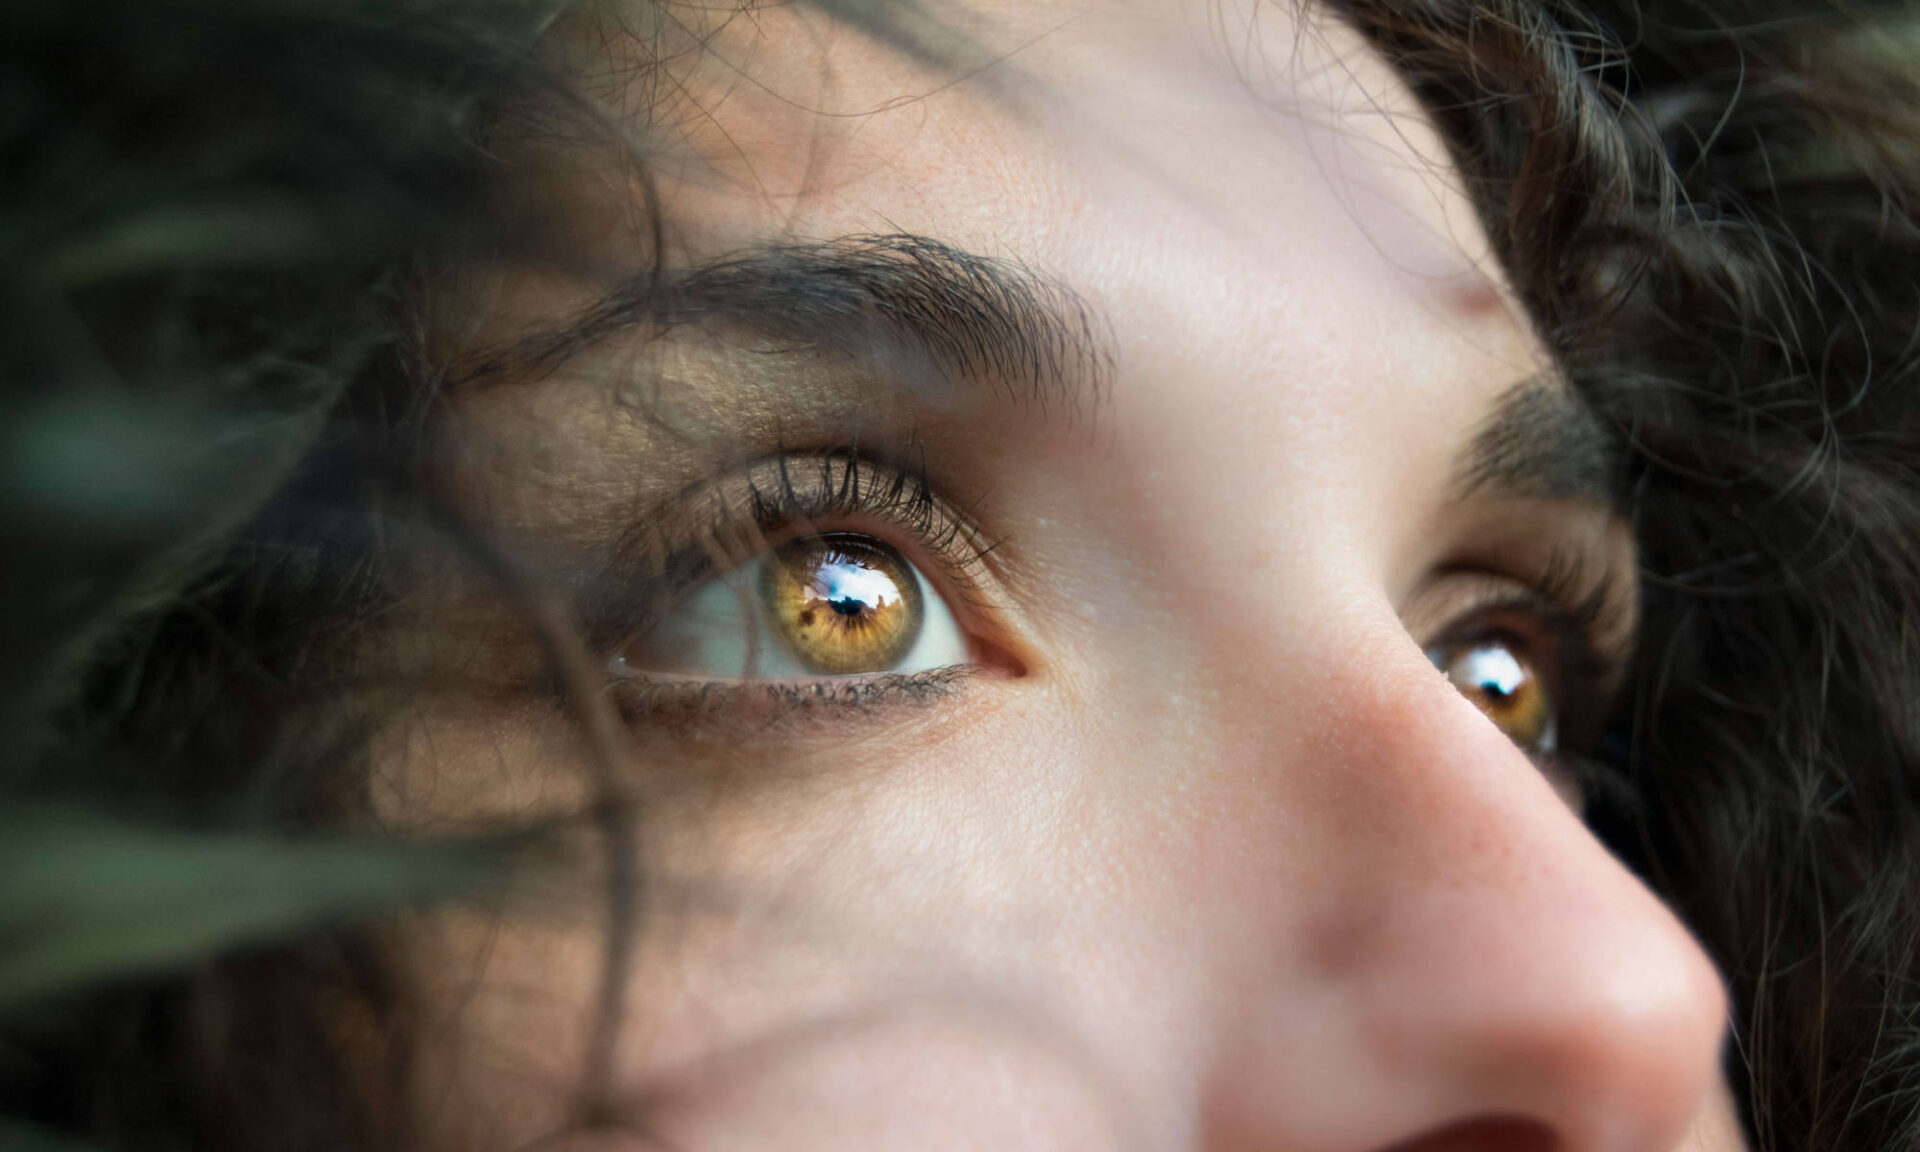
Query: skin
[[1204, 853]]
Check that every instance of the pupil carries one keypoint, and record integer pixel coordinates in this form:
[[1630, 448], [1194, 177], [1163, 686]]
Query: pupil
[[847, 607]]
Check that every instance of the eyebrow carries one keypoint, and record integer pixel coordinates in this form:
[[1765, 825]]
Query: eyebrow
[[897, 295], [1541, 441], [932, 315], [908, 300]]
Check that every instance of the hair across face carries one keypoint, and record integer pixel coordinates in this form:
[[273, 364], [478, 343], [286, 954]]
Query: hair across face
[[1106, 599], [1006, 575]]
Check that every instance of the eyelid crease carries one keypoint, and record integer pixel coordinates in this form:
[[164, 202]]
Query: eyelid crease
[[1578, 585], [1593, 598]]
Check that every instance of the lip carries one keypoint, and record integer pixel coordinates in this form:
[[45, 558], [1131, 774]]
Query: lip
[[1489, 1134]]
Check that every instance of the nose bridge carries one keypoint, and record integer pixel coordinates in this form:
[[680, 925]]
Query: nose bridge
[[1459, 948]]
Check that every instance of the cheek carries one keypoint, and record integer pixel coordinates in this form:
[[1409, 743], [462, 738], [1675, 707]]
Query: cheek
[[1065, 927], [909, 1075], [741, 1044], [1717, 1129], [977, 935]]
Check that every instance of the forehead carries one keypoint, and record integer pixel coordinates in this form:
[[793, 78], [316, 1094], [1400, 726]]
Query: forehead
[[1245, 195], [1032, 130]]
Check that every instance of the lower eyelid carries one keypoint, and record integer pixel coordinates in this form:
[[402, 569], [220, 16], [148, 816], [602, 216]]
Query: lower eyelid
[[743, 706]]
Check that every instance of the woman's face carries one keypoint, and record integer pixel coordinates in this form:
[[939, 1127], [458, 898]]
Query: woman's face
[[1104, 593]]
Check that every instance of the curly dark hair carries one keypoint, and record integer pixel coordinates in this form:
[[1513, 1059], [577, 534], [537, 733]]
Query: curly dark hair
[[215, 214], [1710, 213]]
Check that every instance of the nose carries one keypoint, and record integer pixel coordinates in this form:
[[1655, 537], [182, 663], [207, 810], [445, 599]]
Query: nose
[[1461, 964]]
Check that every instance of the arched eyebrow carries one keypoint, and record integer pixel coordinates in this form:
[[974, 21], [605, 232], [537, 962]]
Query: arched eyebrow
[[916, 310], [928, 314], [1541, 441], [997, 321], [908, 299]]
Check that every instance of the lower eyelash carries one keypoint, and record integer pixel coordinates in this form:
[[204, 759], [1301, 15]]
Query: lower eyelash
[[682, 703]]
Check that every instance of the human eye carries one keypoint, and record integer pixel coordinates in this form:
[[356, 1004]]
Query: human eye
[[828, 578], [822, 604], [1540, 658], [1514, 679]]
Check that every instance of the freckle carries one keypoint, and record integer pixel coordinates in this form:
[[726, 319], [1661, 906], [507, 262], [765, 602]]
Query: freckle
[[806, 618]]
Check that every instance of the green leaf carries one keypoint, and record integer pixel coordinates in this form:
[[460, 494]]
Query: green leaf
[[84, 899]]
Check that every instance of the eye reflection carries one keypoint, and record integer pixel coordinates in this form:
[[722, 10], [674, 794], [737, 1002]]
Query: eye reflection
[[843, 603], [833, 604], [1503, 682]]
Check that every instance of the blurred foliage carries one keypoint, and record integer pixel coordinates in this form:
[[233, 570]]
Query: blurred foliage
[[209, 214], [88, 898]]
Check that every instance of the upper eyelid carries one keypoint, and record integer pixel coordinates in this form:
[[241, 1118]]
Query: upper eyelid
[[742, 512], [902, 496], [1576, 600], [1491, 618], [1491, 595], [1579, 579], [1589, 671]]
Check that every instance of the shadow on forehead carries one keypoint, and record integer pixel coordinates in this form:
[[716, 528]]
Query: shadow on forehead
[[937, 320]]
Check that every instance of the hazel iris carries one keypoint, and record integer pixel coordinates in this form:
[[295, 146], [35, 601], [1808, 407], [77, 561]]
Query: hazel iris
[[1505, 685], [842, 603]]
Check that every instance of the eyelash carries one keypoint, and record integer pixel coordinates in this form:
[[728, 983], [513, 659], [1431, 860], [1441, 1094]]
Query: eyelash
[[775, 701], [1563, 608], [902, 498], [1567, 606], [786, 494]]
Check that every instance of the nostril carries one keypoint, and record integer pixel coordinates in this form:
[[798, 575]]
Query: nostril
[[1489, 1134]]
